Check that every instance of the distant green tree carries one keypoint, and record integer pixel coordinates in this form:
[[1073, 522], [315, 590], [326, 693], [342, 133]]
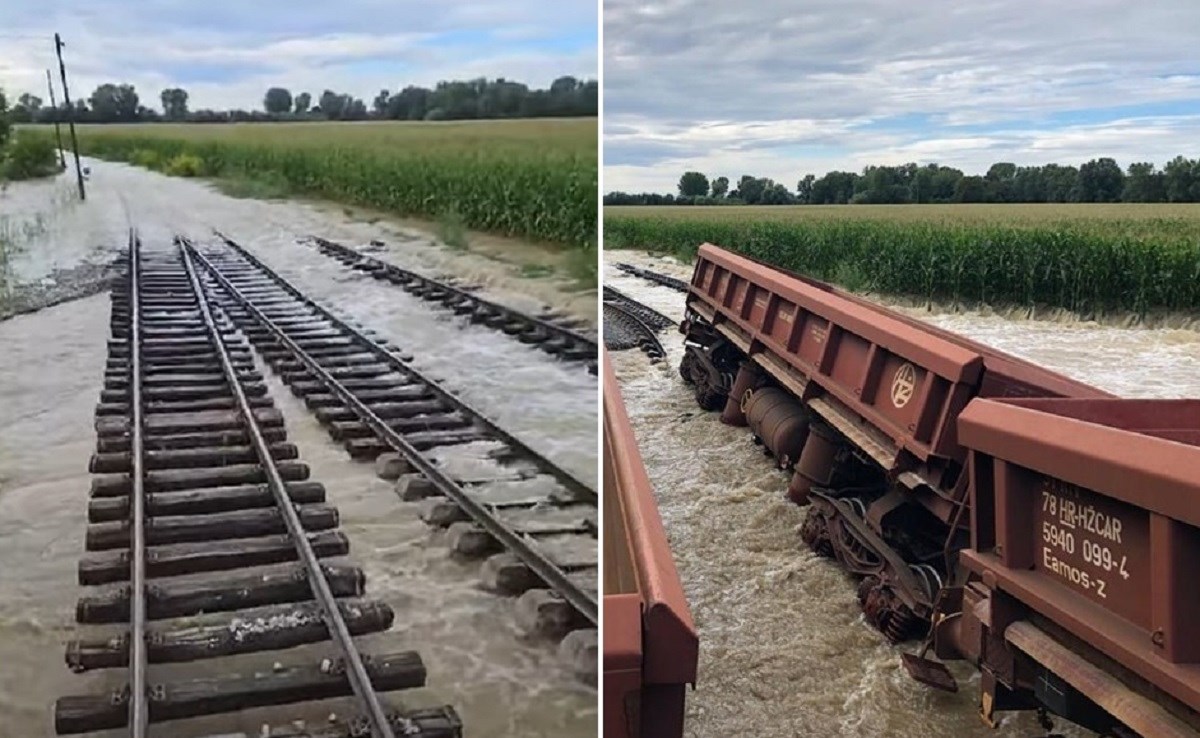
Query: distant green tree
[[380, 103], [112, 103], [720, 187], [693, 184], [1001, 171], [1000, 182], [303, 102], [804, 188], [354, 109], [1182, 177], [750, 189], [411, 103], [970, 189], [1143, 184], [277, 100], [1060, 183], [27, 108], [174, 103], [332, 104], [1100, 180], [776, 193], [835, 188]]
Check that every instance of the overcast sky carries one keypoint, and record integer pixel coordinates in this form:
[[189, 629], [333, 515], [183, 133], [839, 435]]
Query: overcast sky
[[226, 53], [778, 88]]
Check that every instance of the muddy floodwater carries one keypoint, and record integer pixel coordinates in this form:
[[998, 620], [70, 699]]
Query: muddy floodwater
[[784, 650], [50, 380]]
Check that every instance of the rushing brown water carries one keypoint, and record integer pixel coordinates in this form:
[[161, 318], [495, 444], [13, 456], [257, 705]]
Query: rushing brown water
[[50, 379], [784, 648]]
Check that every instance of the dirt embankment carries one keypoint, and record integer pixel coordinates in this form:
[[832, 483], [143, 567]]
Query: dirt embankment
[[59, 286]]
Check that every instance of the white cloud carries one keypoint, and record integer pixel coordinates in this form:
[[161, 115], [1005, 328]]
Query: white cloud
[[226, 53], [726, 87]]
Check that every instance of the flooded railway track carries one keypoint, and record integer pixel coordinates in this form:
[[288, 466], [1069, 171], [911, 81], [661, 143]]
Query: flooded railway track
[[628, 324], [553, 334], [679, 285], [532, 522], [207, 540], [646, 314]]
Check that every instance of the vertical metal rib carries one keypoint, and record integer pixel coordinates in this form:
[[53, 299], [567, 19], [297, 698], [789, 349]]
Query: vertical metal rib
[[360, 681], [139, 713]]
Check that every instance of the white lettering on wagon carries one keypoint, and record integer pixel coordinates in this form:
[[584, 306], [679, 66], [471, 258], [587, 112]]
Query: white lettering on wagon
[[1072, 527], [1072, 574], [1074, 514]]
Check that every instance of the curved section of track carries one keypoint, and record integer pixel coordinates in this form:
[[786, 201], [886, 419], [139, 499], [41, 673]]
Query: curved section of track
[[625, 330], [646, 314], [554, 335], [674, 283], [499, 498], [201, 511]]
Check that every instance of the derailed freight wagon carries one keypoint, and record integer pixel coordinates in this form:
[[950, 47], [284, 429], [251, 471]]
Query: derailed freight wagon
[[883, 423]]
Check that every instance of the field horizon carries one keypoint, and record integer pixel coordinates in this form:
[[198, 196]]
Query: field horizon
[[1030, 213], [1090, 259], [533, 178]]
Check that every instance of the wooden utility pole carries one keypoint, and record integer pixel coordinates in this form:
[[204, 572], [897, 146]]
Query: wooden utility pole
[[62, 70], [62, 155]]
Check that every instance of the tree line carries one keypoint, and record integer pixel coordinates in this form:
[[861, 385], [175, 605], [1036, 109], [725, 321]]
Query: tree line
[[1099, 180], [23, 157], [452, 100]]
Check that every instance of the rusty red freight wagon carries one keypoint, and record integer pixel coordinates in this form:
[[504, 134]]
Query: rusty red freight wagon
[[650, 642], [862, 406], [1085, 547]]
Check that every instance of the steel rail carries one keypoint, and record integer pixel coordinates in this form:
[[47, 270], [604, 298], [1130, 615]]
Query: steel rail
[[648, 341], [551, 328], [564, 477], [543, 567], [648, 315], [679, 285], [360, 680], [139, 702]]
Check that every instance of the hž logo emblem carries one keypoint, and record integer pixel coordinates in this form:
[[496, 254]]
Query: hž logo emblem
[[903, 384]]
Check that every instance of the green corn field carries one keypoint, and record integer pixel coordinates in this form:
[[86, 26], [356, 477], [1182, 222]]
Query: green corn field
[[534, 179], [1089, 259]]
